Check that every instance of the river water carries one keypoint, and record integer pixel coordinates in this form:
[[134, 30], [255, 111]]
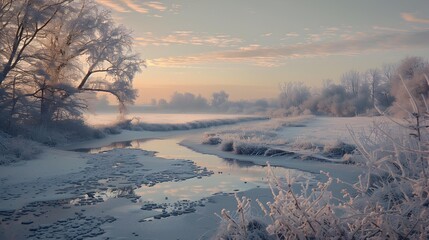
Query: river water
[[228, 176]]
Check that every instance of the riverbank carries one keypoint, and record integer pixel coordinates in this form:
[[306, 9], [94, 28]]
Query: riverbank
[[65, 193], [126, 190]]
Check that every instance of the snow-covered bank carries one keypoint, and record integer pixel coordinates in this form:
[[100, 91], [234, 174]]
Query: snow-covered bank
[[347, 173], [105, 194], [103, 119], [137, 125], [283, 134], [133, 131], [305, 137]]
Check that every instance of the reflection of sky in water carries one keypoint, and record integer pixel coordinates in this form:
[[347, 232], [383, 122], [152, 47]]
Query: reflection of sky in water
[[127, 144], [229, 175], [103, 194]]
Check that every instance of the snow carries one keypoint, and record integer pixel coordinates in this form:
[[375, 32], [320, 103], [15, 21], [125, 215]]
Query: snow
[[107, 189], [327, 129], [59, 162], [158, 118]]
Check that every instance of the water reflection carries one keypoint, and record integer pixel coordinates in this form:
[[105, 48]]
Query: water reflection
[[92, 198], [229, 176], [135, 144]]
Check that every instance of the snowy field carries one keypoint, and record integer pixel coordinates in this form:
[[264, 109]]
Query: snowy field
[[158, 118], [163, 185]]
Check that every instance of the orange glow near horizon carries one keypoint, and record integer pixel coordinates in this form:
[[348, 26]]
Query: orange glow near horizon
[[149, 91]]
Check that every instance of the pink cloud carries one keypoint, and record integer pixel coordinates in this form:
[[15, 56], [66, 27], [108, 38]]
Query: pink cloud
[[112, 5], [409, 17], [156, 5], [135, 7], [275, 56], [123, 6], [188, 38]]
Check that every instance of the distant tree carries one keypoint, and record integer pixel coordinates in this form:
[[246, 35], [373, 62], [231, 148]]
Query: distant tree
[[413, 71], [326, 83], [188, 101], [153, 102], [293, 94], [411, 66], [351, 80], [384, 98], [363, 101], [374, 79], [261, 103], [389, 71], [162, 103], [333, 101], [219, 99]]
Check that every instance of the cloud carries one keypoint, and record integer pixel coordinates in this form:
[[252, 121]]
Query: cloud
[[175, 8], [409, 17], [135, 7], [332, 29], [388, 29], [292, 34], [188, 38], [156, 5], [124, 6], [112, 5], [275, 56]]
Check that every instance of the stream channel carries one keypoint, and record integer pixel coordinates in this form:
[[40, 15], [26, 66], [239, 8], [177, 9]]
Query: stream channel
[[228, 176]]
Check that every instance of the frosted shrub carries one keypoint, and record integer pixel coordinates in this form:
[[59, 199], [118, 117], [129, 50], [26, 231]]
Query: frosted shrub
[[242, 226], [227, 145], [338, 149], [13, 149], [211, 139], [248, 148], [304, 215], [304, 144], [308, 214]]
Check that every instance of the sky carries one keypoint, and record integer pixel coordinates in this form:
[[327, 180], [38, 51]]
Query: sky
[[249, 47]]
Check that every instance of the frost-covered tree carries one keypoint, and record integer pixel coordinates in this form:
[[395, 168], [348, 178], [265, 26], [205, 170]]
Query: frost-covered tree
[[389, 71], [351, 80], [22, 22], [53, 51], [293, 94], [374, 78], [188, 101], [162, 103], [326, 83], [219, 100], [412, 72], [87, 51]]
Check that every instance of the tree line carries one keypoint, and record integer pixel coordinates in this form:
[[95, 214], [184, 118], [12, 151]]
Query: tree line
[[218, 102], [357, 93], [361, 92]]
